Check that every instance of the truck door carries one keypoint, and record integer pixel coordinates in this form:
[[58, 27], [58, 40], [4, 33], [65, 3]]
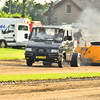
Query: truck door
[[22, 33], [9, 34]]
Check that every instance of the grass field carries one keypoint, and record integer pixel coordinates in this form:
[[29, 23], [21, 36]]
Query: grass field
[[25, 77], [9, 53]]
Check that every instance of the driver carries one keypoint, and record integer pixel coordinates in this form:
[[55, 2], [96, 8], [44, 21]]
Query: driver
[[42, 34]]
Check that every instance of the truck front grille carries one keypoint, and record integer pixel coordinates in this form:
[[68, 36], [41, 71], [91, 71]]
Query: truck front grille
[[41, 50]]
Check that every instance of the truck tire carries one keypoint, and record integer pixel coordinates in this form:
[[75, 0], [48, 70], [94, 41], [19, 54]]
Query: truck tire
[[76, 60], [29, 62], [61, 63], [3, 44]]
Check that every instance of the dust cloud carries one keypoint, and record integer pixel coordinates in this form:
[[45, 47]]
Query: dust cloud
[[91, 17]]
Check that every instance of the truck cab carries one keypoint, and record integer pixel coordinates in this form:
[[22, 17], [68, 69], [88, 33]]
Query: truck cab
[[15, 35], [52, 47]]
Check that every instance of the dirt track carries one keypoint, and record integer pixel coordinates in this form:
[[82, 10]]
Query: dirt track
[[70, 90]]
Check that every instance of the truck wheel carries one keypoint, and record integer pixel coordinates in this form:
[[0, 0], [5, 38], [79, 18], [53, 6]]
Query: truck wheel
[[61, 63], [76, 60], [3, 44], [47, 63], [29, 62]]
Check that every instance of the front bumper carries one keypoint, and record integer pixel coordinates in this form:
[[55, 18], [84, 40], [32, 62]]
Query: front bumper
[[52, 57]]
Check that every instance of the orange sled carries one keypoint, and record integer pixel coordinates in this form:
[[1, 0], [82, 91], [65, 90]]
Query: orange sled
[[89, 54]]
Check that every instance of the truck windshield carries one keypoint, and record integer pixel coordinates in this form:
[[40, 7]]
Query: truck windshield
[[47, 34]]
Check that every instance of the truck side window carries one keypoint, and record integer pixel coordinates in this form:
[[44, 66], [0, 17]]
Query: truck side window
[[6, 30], [23, 28], [9, 29]]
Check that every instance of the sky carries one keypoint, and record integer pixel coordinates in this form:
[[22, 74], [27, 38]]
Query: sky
[[38, 1]]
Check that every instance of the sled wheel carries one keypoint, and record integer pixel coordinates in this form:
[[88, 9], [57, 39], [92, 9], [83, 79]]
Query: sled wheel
[[77, 60]]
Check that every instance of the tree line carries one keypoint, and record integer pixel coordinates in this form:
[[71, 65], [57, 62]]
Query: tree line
[[27, 9]]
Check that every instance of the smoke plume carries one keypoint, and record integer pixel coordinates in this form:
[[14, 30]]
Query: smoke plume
[[91, 17]]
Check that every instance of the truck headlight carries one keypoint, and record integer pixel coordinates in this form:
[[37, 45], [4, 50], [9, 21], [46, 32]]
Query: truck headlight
[[28, 49], [54, 50]]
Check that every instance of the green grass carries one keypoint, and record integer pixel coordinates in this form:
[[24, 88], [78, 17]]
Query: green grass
[[9, 53], [25, 77]]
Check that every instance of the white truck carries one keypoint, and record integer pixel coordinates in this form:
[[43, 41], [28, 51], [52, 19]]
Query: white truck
[[13, 32]]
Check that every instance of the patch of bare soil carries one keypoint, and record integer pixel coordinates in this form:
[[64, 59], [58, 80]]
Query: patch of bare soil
[[20, 67], [66, 90], [73, 90]]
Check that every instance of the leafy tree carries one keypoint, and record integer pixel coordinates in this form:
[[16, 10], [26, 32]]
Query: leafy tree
[[24, 8], [16, 9], [29, 8], [4, 15], [16, 6], [36, 10]]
